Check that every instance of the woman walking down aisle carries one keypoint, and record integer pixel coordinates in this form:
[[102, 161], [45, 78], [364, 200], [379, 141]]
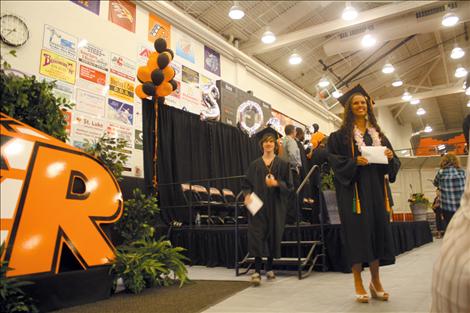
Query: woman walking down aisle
[[362, 196], [270, 179]]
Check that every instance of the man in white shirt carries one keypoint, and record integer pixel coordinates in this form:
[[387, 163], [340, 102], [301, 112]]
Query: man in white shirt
[[292, 155]]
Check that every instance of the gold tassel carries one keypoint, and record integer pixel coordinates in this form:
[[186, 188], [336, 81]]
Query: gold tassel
[[387, 202], [358, 201]]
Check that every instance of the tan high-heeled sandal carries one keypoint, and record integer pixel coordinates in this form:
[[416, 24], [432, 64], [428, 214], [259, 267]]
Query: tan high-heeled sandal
[[364, 298], [255, 279], [380, 295]]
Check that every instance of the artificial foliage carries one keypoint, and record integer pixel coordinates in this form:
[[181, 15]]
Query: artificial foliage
[[327, 181], [139, 217], [33, 102], [417, 198], [111, 151]]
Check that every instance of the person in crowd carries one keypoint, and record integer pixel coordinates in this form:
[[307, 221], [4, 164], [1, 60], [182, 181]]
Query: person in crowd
[[291, 154], [361, 191], [451, 273], [319, 156], [436, 207], [465, 130], [450, 179], [270, 178], [305, 192]]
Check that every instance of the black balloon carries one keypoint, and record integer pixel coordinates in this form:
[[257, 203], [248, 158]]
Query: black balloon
[[149, 88], [163, 60], [174, 85], [157, 77], [170, 52], [160, 45], [161, 100]]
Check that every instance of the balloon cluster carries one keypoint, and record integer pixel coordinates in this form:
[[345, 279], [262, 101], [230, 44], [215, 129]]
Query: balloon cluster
[[156, 77]]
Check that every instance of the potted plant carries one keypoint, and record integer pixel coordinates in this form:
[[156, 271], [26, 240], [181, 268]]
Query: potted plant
[[419, 206], [329, 193]]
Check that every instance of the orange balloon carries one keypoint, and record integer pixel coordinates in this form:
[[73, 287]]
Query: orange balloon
[[164, 89], [168, 73], [143, 74], [140, 92], [152, 61]]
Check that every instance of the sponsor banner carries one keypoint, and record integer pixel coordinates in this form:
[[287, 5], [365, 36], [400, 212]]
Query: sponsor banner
[[211, 61], [56, 66], [139, 140], [184, 46], [90, 5], [122, 13], [143, 53], [60, 42], [138, 114], [68, 120], [178, 69], [92, 79], [190, 76], [121, 88], [125, 132], [120, 111], [159, 28], [123, 67], [85, 127], [191, 98], [137, 163], [177, 92], [204, 80], [61, 89], [90, 103], [94, 56]]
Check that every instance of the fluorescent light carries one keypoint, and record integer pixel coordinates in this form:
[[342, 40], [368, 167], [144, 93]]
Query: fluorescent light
[[415, 101], [236, 12], [337, 94], [295, 59], [468, 104], [450, 19], [388, 68], [406, 96], [421, 111], [368, 40], [457, 53], [349, 12], [460, 72], [397, 83], [323, 82], [268, 37], [427, 129]]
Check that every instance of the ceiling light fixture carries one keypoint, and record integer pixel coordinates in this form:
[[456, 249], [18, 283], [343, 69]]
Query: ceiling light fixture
[[406, 96], [397, 82], [450, 19], [457, 53], [388, 68], [460, 72], [415, 101], [236, 12], [421, 111], [268, 37], [295, 59], [337, 93], [368, 40], [427, 129], [349, 12], [323, 82]]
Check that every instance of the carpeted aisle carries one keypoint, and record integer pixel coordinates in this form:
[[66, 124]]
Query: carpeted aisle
[[195, 296]]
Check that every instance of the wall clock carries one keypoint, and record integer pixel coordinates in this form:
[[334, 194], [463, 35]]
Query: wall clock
[[14, 31]]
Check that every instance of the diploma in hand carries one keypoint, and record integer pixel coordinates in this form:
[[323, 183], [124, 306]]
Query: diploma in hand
[[255, 204], [374, 154]]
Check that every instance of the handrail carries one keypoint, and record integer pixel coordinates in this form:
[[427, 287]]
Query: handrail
[[201, 180]]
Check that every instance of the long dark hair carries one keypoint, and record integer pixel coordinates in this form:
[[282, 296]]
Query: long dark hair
[[348, 118]]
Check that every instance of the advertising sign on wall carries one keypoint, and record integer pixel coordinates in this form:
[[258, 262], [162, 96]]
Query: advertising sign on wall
[[122, 13], [92, 79], [211, 61], [56, 66], [190, 76], [123, 67], [159, 28], [85, 127], [121, 88], [90, 103], [94, 56], [120, 111], [90, 5], [60, 42]]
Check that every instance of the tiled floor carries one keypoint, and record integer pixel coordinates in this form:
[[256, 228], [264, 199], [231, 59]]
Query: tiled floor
[[408, 282]]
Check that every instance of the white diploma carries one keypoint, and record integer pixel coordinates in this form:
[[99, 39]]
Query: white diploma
[[374, 154], [255, 204]]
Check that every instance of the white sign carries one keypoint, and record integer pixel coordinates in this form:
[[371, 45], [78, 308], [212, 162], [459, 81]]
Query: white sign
[[60, 42], [85, 127], [94, 56], [143, 52], [90, 103], [117, 130], [123, 67]]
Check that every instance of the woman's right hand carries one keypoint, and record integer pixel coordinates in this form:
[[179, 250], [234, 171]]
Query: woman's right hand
[[361, 161]]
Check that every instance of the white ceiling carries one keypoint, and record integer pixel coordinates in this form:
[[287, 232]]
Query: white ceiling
[[305, 27]]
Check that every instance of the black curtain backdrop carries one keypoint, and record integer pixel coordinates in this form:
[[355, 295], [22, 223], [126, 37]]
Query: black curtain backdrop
[[190, 150]]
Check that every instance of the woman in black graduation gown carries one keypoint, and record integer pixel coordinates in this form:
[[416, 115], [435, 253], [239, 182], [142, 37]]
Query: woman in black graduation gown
[[362, 196], [270, 179]]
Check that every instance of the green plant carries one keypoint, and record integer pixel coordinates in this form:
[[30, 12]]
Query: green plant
[[138, 218], [32, 102], [111, 151], [327, 182], [417, 198], [13, 298], [147, 263]]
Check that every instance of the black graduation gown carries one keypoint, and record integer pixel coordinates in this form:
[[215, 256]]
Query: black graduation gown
[[368, 235], [265, 229]]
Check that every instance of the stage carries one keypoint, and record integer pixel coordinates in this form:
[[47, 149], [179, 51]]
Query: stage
[[215, 245]]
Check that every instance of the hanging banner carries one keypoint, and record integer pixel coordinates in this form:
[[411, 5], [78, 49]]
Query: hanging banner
[[123, 67], [120, 111], [90, 5], [190, 76], [90, 103], [211, 61], [159, 28], [60, 42], [92, 79], [178, 70], [122, 13], [185, 47], [121, 88], [56, 66], [94, 56]]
